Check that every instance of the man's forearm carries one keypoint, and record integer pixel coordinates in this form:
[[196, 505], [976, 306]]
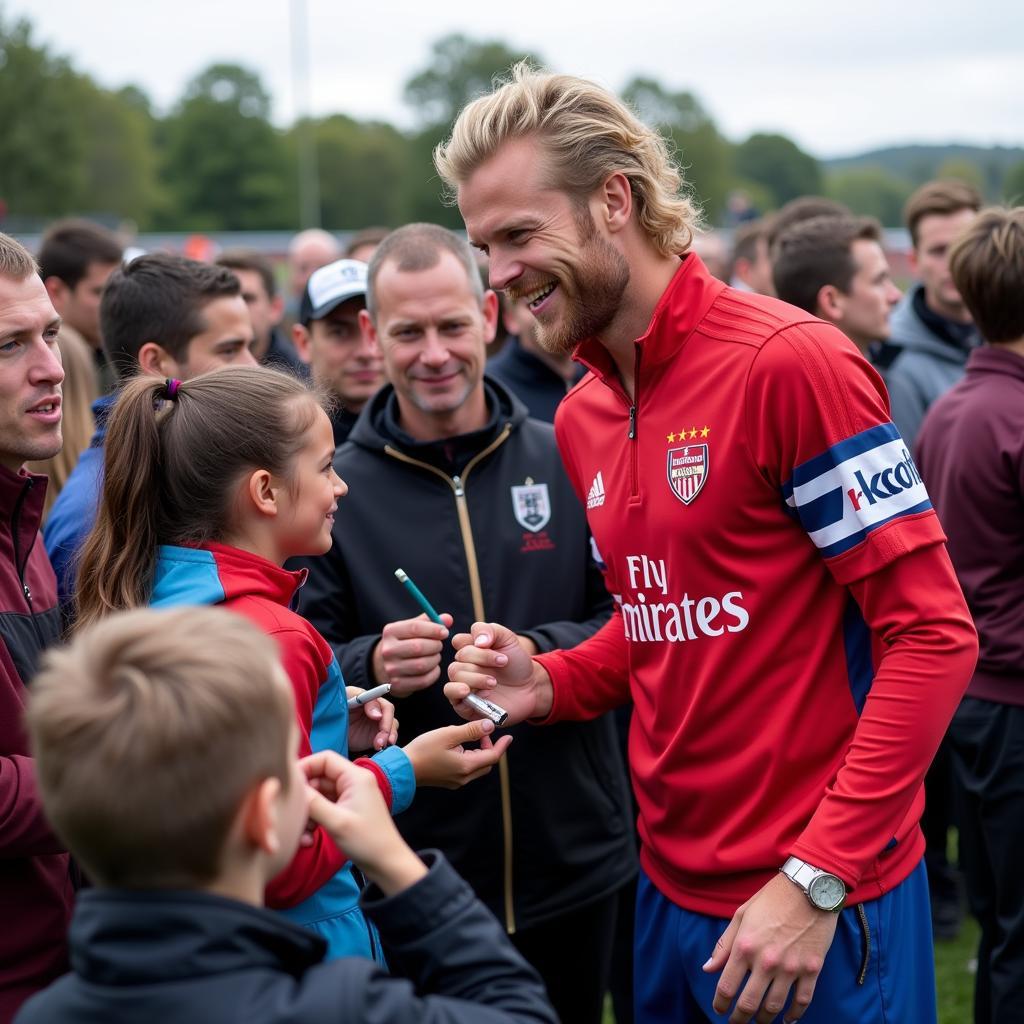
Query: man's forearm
[[543, 690], [916, 606], [589, 679]]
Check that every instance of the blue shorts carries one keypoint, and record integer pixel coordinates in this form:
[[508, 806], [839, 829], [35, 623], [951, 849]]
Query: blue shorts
[[883, 973]]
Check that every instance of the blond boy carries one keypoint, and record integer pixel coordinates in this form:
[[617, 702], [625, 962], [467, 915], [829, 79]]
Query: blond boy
[[166, 755]]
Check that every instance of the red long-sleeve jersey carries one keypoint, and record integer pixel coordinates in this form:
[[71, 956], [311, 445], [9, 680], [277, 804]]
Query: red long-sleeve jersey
[[787, 622]]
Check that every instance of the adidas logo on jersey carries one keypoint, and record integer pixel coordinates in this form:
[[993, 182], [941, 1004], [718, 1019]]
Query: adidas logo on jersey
[[595, 496]]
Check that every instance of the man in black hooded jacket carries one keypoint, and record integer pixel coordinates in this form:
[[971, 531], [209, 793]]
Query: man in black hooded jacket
[[450, 481]]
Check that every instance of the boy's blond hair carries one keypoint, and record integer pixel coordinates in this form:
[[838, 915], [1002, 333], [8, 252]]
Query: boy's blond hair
[[148, 731], [587, 134], [987, 264]]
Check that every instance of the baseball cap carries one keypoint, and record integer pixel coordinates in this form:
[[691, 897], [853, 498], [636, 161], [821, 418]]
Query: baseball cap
[[330, 286]]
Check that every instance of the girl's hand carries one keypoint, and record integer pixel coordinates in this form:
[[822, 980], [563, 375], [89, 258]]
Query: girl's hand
[[372, 726], [439, 758]]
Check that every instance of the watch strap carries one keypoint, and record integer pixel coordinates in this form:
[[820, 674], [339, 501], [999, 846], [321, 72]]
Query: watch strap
[[802, 874]]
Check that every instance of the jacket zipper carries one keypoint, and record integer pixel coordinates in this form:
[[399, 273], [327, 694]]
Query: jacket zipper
[[19, 565], [458, 486], [865, 930], [634, 471]]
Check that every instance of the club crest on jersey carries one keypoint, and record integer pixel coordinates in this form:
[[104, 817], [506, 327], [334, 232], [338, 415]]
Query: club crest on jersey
[[687, 471], [531, 505]]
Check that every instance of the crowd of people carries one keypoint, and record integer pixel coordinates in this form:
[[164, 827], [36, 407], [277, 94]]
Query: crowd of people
[[703, 790]]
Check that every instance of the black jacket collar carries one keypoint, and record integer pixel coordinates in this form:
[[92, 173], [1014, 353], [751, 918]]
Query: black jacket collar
[[961, 336], [378, 426], [21, 499], [132, 938]]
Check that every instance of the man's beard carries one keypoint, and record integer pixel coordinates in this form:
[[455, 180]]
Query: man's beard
[[598, 282]]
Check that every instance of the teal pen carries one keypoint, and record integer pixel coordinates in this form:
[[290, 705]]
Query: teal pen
[[488, 709], [419, 597]]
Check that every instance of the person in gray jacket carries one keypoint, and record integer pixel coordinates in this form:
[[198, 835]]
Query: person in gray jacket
[[931, 329]]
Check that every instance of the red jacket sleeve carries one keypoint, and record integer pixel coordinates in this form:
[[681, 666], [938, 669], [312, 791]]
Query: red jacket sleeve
[[929, 647], [592, 678], [818, 419], [312, 865], [823, 434]]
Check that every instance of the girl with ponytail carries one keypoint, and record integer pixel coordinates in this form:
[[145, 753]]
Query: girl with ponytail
[[210, 486]]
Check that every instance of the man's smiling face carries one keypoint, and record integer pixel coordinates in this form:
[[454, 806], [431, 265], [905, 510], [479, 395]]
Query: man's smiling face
[[543, 246]]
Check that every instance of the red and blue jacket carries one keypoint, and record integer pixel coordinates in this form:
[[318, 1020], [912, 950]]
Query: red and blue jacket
[[317, 889]]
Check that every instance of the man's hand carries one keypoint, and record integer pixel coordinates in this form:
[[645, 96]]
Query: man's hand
[[346, 800], [372, 726], [780, 940], [408, 654], [493, 662], [439, 758]]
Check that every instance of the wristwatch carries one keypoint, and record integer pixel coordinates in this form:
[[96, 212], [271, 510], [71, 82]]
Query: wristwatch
[[825, 890]]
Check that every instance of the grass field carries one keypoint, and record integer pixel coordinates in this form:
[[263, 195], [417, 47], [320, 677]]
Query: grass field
[[953, 978]]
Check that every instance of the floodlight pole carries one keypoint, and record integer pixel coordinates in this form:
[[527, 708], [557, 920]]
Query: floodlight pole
[[309, 176]]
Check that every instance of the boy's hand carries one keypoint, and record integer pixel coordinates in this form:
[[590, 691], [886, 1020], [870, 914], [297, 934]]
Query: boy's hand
[[408, 654], [439, 759], [494, 663], [346, 800], [372, 726]]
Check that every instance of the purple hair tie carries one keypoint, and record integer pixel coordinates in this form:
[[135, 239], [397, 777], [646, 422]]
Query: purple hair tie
[[172, 385]]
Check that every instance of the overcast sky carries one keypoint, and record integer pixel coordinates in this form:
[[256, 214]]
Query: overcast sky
[[836, 77]]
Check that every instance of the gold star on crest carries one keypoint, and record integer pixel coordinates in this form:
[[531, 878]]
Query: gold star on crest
[[705, 432], [671, 438], [693, 432]]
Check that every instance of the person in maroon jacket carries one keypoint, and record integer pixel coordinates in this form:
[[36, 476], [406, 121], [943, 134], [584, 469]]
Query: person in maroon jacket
[[35, 883], [971, 453]]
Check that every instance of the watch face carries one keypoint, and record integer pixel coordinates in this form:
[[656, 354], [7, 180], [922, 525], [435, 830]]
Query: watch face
[[827, 892]]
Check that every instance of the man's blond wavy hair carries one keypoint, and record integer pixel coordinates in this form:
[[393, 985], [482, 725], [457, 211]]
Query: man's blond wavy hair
[[588, 134]]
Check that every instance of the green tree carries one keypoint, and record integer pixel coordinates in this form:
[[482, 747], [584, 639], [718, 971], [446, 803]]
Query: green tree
[[42, 172], [426, 193], [778, 164], [1013, 185], [460, 69], [363, 173], [963, 170], [70, 146], [226, 166], [120, 158], [701, 152], [870, 191]]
